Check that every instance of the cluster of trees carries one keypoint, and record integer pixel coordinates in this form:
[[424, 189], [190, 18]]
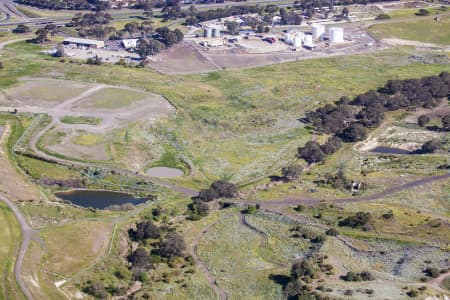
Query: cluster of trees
[[348, 120], [169, 245], [202, 16], [313, 152], [360, 219], [362, 276], [218, 189], [303, 272], [21, 28], [423, 121], [93, 24], [163, 38], [43, 34], [67, 4]]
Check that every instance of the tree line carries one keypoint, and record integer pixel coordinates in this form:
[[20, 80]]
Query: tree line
[[66, 4]]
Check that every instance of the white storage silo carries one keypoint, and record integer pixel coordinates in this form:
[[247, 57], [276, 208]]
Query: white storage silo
[[308, 40], [208, 32], [336, 35], [216, 32], [318, 31], [298, 40]]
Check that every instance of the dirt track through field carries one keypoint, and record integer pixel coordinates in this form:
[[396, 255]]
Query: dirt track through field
[[211, 280]]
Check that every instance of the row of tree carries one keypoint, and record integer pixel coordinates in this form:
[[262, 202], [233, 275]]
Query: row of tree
[[67, 4], [347, 120]]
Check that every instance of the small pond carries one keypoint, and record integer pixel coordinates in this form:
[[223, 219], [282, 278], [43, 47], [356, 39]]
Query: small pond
[[164, 172], [389, 150], [99, 199]]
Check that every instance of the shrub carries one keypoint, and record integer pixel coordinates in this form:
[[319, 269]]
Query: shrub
[[332, 145], [430, 146], [422, 12], [432, 272], [412, 293], [332, 232], [291, 172], [140, 259], [358, 220], [423, 120], [383, 17], [96, 290]]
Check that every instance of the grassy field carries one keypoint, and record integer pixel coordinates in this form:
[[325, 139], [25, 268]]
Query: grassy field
[[423, 30], [112, 98], [81, 120], [9, 243], [231, 124]]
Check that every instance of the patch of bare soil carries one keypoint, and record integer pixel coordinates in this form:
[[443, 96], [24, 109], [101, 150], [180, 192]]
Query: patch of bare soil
[[180, 59]]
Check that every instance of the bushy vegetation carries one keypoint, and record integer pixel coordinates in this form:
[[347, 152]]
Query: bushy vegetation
[[348, 120], [363, 276], [358, 220]]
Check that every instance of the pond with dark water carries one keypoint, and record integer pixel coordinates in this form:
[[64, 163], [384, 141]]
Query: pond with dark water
[[99, 199], [389, 150]]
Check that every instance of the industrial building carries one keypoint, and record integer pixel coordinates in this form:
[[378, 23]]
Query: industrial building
[[84, 43], [129, 43]]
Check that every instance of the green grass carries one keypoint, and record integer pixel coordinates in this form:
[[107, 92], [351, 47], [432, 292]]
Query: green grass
[[237, 124], [81, 120], [112, 98], [9, 243], [39, 169], [30, 13], [423, 30], [86, 139]]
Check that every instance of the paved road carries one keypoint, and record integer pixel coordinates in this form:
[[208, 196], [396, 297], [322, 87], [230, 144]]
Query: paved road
[[376, 196], [27, 235]]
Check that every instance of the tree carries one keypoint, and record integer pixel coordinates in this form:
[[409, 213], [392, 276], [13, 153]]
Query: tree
[[41, 35], [232, 27], [198, 209], [332, 145], [148, 11], [423, 120], [354, 133], [291, 172], [96, 60], [173, 246], [345, 12], [148, 47], [1, 65], [140, 259], [208, 194], [21, 28], [146, 230], [225, 189], [446, 122], [430, 146], [311, 152]]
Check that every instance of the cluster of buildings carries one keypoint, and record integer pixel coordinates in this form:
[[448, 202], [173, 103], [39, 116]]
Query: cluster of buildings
[[80, 43], [335, 35]]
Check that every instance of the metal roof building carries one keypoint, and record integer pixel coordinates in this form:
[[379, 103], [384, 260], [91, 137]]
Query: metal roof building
[[88, 43]]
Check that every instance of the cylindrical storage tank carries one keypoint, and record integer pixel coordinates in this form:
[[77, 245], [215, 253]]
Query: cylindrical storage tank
[[308, 40], [318, 31], [208, 32], [297, 41], [216, 32], [288, 38], [336, 35]]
